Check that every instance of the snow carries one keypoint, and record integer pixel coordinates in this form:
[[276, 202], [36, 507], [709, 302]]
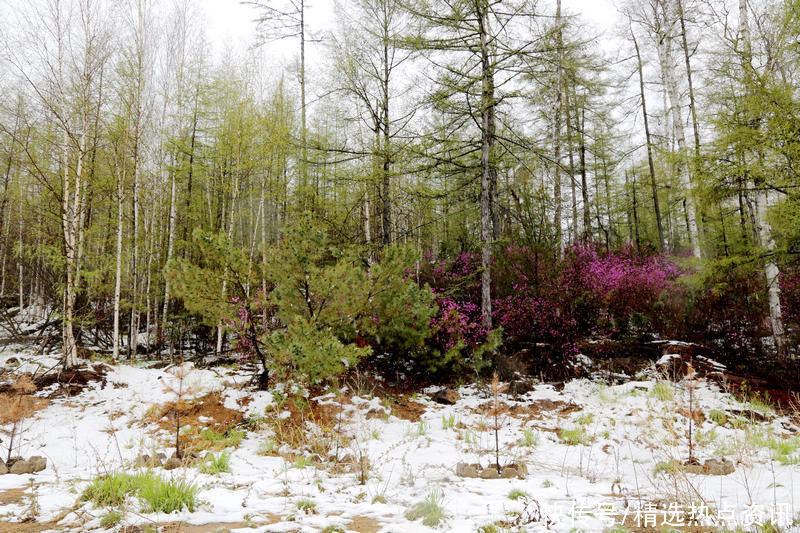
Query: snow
[[629, 431]]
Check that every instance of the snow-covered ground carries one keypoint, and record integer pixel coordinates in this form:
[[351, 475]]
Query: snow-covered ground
[[596, 456]]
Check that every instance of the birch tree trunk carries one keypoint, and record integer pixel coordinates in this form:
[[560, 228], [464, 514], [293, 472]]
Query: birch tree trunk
[[763, 201], [648, 140], [487, 127], [671, 85], [557, 137]]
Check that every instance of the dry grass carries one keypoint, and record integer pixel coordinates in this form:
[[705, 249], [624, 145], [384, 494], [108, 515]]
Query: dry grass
[[16, 405]]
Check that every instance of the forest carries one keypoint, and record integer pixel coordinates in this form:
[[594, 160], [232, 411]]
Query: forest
[[472, 265], [528, 188]]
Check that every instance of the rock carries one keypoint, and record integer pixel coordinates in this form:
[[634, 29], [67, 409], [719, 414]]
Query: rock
[[465, 470], [3, 468], [172, 463], [21, 467], [508, 472], [13, 460], [693, 467], [446, 396], [490, 473], [38, 463], [145, 461], [715, 467]]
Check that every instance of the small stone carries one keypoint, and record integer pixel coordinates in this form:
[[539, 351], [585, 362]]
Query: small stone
[[465, 470], [446, 396], [21, 467], [490, 473], [694, 468], [172, 463], [716, 467], [3, 468], [38, 463], [508, 472]]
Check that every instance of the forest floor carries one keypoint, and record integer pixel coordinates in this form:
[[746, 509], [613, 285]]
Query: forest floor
[[599, 457]]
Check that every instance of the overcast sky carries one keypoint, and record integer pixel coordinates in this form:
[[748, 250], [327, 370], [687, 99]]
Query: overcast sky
[[230, 24]]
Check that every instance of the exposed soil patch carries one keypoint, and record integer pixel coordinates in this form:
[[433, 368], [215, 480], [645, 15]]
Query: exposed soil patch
[[406, 409], [9, 496], [183, 527], [533, 410], [210, 408], [72, 381], [364, 524], [27, 527]]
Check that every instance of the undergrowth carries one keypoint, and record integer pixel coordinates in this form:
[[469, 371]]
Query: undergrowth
[[154, 493]]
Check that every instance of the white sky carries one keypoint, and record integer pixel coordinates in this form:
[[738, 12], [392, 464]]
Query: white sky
[[230, 24]]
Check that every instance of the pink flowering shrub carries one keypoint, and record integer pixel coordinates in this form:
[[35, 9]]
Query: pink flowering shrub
[[790, 292], [588, 294]]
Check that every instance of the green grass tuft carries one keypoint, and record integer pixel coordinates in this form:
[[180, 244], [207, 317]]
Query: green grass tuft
[[307, 506], [662, 391], [111, 519], [530, 438], [431, 510], [718, 417], [167, 496], [573, 437], [111, 490], [517, 494], [157, 494], [216, 464], [231, 438]]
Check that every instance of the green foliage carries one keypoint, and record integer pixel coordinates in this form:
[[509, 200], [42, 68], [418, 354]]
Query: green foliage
[[530, 438], [666, 467], [662, 391], [200, 284], [157, 495], [307, 506], [232, 437], [517, 494], [718, 417], [573, 437], [167, 496], [216, 464], [431, 510], [112, 490], [307, 352], [111, 519]]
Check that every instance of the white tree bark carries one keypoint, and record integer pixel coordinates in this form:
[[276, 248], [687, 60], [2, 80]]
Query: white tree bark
[[666, 60]]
